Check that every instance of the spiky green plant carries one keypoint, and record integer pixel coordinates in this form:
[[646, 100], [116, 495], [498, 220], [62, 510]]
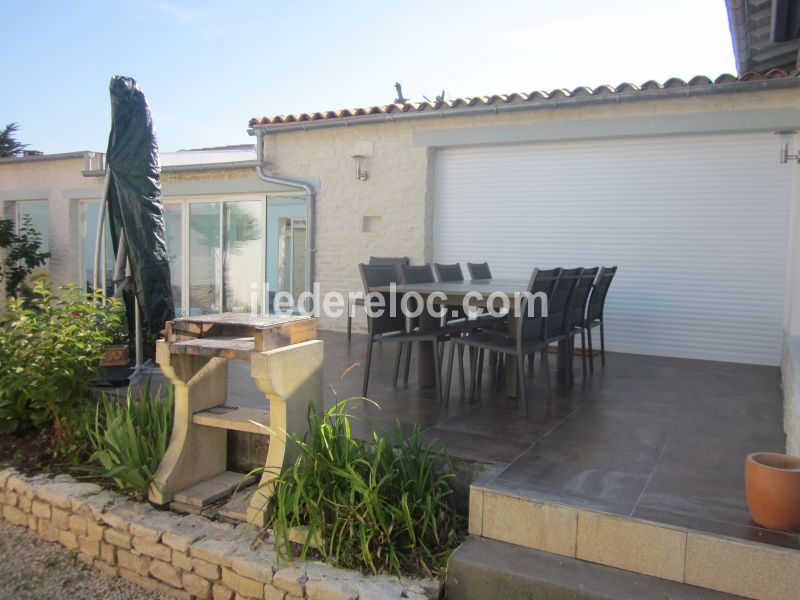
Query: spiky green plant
[[129, 438], [380, 505]]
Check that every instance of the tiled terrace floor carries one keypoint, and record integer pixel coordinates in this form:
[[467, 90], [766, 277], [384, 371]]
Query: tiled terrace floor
[[661, 439]]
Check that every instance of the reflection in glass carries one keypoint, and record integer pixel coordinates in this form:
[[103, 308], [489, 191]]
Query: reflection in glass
[[286, 260], [90, 212], [205, 264], [292, 256], [173, 224], [241, 261], [39, 221], [37, 211]]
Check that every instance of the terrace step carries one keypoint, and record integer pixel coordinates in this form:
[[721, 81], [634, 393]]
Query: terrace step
[[674, 554], [236, 418], [481, 568]]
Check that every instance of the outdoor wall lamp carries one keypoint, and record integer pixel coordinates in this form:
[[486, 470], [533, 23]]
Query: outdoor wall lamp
[[785, 156], [361, 174]]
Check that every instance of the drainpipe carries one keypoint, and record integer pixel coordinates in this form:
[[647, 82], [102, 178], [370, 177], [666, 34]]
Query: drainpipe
[[298, 185]]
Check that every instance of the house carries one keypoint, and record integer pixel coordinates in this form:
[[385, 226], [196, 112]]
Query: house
[[216, 213], [683, 184]]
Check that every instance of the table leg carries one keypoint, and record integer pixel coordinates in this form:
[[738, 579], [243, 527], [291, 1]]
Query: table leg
[[425, 350], [563, 358], [512, 379]]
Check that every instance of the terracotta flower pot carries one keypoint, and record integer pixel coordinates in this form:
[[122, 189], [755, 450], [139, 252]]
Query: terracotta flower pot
[[773, 490]]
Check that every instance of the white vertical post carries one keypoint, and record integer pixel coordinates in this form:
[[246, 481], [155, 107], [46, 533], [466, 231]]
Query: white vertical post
[[139, 346], [101, 218]]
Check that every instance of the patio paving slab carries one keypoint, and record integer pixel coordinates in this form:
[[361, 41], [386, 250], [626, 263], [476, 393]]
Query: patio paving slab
[[658, 438]]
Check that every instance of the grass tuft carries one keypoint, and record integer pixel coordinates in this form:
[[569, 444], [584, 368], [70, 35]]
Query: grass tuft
[[380, 505]]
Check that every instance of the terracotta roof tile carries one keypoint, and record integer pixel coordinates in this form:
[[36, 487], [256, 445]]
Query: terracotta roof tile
[[522, 98], [674, 82], [652, 84]]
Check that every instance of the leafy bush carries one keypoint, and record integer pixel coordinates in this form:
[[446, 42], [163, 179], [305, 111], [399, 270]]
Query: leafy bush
[[380, 506], [118, 327], [129, 439], [49, 355]]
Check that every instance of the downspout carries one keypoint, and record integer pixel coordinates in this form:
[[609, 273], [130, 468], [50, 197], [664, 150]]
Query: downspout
[[298, 185]]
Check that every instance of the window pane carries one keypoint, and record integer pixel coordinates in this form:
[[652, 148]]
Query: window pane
[[37, 211], [241, 262], [173, 224], [90, 212], [298, 256], [204, 258], [287, 263], [39, 221]]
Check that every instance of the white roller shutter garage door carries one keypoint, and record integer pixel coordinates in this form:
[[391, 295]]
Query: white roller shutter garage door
[[698, 226]]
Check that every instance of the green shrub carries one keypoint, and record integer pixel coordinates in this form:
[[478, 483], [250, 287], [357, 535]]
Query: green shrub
[[129, 439], [382, 506], [50, 352], [118, 327]]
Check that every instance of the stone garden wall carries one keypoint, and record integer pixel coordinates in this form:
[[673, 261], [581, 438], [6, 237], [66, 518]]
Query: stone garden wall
[[183, 556]]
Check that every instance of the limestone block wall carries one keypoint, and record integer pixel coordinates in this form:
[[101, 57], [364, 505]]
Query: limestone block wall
[[182, 556]]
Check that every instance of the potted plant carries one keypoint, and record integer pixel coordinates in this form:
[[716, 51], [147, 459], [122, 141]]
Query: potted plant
[[116, 354], [773, 490]]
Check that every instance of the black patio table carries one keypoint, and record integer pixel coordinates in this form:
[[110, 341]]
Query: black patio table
[[454, 292]]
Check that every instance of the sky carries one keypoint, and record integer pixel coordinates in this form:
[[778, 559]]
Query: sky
[[207, 67]]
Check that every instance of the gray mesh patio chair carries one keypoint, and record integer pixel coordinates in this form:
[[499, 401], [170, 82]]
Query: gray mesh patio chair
[[479, 270], [558, 313], [577, 310], [453, 272], [385, 327], [419, 274], [373, 260], [594, 312], [530, 336], [449, 272]]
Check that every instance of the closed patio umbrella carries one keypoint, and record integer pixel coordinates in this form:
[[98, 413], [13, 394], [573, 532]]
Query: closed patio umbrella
[[132, 198]]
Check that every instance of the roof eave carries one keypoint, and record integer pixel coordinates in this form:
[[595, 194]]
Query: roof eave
[[740, 34], [752, 85], [83, 154]]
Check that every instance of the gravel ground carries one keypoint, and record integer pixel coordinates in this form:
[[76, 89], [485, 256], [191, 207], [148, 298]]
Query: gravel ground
[[31, 568]]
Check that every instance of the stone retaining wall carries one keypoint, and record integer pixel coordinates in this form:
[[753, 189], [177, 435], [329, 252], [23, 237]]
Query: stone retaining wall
[[183, 556]]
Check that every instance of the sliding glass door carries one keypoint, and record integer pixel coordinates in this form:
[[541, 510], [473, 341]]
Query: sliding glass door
[[90, 213], [224, 250], [173, 225], [205, 258], [243, 256], [287, 260]]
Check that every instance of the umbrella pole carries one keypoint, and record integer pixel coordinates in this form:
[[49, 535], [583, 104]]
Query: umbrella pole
[[98, 241]]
